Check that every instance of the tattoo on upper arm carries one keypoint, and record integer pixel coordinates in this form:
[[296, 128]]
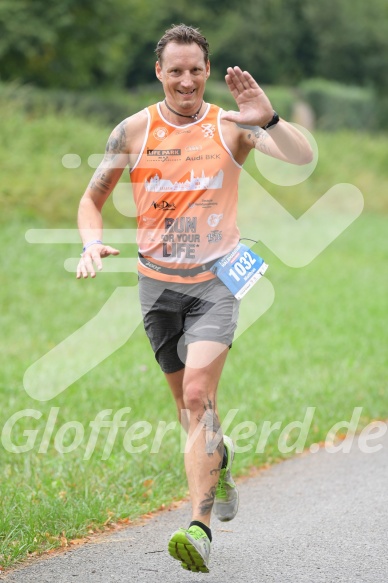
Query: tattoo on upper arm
[[101, 181], [117, 141], [102, 178]]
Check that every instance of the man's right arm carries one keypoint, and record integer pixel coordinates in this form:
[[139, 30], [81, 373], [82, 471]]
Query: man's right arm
[[103, 181]]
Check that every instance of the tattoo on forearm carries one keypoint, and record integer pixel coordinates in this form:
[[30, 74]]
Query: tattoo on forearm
[[257, 136], [206, 504]]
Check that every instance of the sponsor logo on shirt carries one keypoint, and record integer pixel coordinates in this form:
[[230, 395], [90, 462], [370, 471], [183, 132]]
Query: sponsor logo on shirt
[[208, 130], [195, 182], [160, 133], [164, 205], [149, 220], [193, 148], [204, 203], [171, 155], [214, 219], [171, 152], [204, 157], [214, 236]]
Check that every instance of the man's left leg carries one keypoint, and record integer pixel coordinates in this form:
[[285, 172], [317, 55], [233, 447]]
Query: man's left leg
[[204, 448]]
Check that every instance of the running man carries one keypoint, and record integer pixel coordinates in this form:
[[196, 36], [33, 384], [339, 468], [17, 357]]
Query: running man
[[184, 157]]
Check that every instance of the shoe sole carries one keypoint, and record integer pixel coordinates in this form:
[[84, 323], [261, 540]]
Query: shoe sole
[[181, 549]]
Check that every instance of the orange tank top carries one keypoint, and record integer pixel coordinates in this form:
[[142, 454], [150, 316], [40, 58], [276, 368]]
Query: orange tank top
[[185, 187]]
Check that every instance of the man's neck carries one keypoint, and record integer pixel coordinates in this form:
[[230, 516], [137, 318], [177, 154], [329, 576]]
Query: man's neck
[[182, 118]]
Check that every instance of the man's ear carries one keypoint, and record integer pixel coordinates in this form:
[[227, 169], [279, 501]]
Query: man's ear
[[158, 70], [207, 69]]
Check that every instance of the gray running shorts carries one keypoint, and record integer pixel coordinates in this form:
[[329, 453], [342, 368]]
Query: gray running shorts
[[175, 314]]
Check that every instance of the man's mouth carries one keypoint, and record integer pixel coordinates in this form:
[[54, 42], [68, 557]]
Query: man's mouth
[[186, 92]]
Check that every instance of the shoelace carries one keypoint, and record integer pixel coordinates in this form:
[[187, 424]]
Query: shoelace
[[197, 532], [221, 490]]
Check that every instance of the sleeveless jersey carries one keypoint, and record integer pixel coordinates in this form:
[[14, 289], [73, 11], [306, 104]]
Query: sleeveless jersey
[[185, 187]]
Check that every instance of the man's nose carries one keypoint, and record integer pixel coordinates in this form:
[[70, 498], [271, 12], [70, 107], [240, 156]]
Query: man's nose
[[187, 79]]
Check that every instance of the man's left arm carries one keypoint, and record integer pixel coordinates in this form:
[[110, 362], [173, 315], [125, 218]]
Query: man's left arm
[[281, 140]]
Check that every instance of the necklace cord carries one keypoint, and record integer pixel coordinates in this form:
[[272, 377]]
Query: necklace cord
[[194, 117]]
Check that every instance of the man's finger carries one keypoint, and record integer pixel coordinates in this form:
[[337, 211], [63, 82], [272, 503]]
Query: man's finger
[[108, 250], [91, 257], [81, 269], [88, 266], [96, 257], [231, 116]]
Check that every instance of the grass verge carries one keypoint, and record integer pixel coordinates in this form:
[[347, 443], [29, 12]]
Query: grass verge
[[321, 345]]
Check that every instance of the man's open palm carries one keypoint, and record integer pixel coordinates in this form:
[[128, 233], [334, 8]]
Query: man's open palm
[[254, 106]]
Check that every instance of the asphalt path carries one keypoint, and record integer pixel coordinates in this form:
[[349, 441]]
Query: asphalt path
[[317, 518]]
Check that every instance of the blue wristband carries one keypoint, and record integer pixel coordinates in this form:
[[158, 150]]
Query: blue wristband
[[94, 242]]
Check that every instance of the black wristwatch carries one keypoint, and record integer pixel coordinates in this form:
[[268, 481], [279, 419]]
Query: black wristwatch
[[272, 122]]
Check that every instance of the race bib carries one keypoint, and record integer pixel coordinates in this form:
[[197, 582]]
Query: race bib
[[239, 270]]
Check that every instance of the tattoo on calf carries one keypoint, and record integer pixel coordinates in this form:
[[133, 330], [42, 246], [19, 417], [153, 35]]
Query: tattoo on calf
[[206, 504], [213, 432], [216, 470]]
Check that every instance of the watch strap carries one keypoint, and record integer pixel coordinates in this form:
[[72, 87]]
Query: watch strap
[[275, 119]]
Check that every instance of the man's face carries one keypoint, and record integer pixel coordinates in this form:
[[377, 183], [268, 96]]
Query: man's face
[[183, 73]]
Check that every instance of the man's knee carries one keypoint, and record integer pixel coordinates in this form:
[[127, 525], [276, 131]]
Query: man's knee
[[195, 397]]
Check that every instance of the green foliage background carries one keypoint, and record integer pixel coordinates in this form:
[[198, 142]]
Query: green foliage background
[[107, 47], [322, 343], [68, 71], [79, 45]]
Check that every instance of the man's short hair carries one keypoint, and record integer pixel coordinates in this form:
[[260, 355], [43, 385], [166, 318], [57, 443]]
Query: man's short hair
[[184, 35]]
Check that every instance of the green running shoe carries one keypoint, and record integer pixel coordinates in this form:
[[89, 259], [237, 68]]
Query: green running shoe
[[192, 548], [226, 498]]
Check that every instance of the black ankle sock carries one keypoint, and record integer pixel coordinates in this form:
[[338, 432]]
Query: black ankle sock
[[224, 459], [205, 528]]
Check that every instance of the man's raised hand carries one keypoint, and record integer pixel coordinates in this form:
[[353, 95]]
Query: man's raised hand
[[255, 108]]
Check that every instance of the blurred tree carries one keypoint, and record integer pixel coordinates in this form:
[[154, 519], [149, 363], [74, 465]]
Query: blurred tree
[[80, 44], [204, 14], [350, 40], [269, 38], [63, 43]]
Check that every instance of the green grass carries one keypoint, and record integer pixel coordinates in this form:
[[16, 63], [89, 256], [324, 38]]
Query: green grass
[[322, 343]]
